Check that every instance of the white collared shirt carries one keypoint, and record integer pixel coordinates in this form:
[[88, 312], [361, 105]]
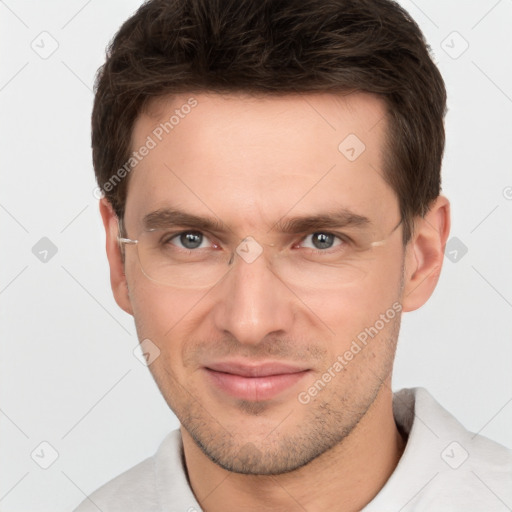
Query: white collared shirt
[[444, 468]]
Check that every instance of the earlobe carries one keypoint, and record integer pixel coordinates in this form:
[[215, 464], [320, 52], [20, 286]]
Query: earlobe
[[425, 254], [117, 275]]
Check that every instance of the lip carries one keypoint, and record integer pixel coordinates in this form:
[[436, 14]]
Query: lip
[[254, 382]]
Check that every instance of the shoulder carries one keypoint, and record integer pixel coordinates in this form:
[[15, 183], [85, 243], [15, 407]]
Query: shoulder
[[151, 485], [444, 466], [131, 489]]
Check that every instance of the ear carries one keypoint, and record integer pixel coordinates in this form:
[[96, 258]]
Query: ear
[[117, 276], [425, 255]]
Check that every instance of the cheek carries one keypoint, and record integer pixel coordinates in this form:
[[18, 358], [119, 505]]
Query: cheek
[[380, 297], [159, 312], [169, 319], [358, 305]]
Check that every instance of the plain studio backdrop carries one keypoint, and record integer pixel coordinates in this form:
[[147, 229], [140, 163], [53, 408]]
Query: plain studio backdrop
[[74, 397]]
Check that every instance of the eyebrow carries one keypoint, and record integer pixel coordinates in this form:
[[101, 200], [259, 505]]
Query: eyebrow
[[168, 217], [339, 219]]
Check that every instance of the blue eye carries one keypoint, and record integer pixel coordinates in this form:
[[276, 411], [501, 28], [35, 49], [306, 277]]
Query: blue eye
[[322, 240], [189, 239]]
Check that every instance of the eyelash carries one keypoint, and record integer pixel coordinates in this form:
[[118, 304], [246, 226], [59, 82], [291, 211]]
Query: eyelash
[[165, 239], [344, 239]]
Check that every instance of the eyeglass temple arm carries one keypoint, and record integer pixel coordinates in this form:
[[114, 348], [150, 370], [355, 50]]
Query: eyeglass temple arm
[[382, 242], [122, 240]]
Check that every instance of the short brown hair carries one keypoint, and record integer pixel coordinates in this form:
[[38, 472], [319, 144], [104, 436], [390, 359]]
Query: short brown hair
[[274, 47]]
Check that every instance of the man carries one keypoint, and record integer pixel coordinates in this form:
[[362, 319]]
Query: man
[[272, 205]]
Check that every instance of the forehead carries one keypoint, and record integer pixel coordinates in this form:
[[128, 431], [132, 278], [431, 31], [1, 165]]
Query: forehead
[[251, 159]]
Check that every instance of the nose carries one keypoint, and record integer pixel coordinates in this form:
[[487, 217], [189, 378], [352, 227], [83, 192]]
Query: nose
[[252, 302]]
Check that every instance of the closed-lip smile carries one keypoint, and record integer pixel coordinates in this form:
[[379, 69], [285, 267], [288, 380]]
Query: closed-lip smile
[[254, 381]]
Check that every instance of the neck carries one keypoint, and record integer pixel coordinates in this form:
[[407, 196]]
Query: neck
[[347, 477]]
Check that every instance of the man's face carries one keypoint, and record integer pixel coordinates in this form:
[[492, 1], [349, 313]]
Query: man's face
[[241, 357]]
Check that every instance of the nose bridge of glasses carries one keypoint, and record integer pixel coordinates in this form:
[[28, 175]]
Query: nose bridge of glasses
[[255, 256], [257, 267], [249, 250], [260, 252]]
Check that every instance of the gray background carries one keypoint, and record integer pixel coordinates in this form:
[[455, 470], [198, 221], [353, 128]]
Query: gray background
[[68, 373]]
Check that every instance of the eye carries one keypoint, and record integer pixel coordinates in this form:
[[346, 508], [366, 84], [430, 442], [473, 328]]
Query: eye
[[321, 241], [190, 240]]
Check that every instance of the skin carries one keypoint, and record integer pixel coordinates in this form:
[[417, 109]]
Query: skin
[[250, 162]]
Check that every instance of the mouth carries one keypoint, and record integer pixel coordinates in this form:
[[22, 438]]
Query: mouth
[[254, 382]]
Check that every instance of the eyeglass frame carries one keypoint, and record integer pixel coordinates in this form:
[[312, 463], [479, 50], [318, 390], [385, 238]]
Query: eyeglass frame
[[129, 241]]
